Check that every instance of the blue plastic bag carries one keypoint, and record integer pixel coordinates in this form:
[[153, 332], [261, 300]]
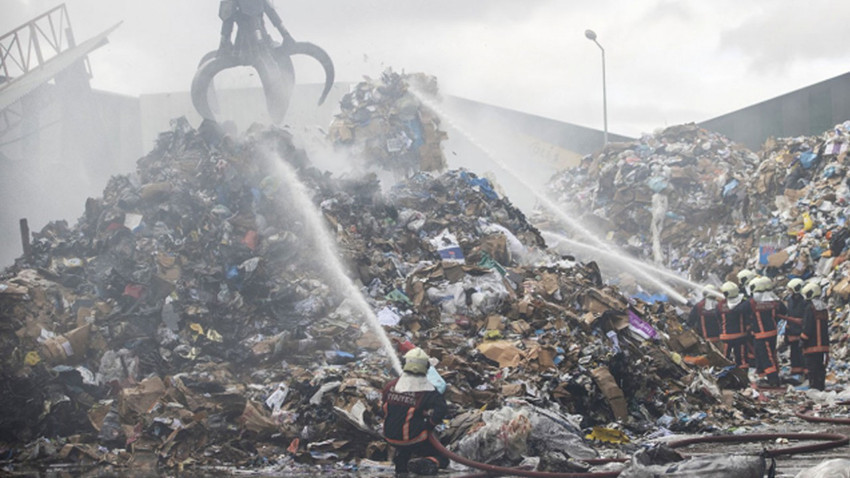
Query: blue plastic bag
[[436, 380]]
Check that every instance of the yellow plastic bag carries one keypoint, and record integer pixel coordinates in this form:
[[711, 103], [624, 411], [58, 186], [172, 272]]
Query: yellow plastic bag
[[808, 222], [32, 358], [608, 435], [197, 328]]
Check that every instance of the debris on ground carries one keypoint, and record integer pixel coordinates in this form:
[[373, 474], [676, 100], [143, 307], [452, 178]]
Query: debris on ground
[[184, 320]]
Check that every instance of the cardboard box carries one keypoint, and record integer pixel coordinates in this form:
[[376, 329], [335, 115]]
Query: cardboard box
[[687, 339], [613, 393], [503, 352], [67, 348], [842, 288], [142, 397]]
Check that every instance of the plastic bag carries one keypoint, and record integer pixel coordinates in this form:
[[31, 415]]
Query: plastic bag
[[475, 296], [710, 466], [808, 223], [436, 380], [504, 437], [835, 468], [552, 432]]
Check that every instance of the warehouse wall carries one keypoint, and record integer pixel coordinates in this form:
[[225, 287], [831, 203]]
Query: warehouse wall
[[52, 161], [807, 111]]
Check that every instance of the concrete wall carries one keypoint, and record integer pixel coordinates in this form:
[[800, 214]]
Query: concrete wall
[[54, 160], [242, 106], [807, 111], [42, 180]]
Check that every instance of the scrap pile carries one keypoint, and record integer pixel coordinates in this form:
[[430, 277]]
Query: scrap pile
[[384, 121], [678, 197], [695, 202], [803, 204], [185, 319]]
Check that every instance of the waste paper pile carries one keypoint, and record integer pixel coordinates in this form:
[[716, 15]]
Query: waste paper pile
[[187, 320], [382, 121], [698, 204], [184, 320], [678, 197]]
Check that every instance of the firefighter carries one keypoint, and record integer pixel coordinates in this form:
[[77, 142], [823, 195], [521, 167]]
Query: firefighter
[[766, 307], [734, 311], [815, 336], [704, 316], [796, 307], [744, 278], [412, 407]]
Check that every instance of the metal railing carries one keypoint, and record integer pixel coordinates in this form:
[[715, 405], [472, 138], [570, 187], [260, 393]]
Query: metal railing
[[33, 43]]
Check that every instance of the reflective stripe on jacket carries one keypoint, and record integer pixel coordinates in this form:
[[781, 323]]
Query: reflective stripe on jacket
[[405, 420]]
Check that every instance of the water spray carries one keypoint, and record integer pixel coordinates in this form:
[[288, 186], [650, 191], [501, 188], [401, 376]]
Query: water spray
[[312, 217], [549, 204], [638, 262]]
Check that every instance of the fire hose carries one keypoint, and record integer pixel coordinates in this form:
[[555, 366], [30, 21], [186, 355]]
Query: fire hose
[[811, 418], [829, 441]]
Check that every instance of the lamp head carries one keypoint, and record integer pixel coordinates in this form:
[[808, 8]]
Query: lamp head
[[590, 34]]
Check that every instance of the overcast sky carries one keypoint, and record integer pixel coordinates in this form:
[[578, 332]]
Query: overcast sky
[[668, 62]]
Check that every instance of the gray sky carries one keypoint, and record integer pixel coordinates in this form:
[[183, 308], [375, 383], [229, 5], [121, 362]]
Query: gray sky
[[668, 62]]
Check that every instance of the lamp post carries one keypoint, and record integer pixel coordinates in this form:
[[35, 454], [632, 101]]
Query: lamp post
[[591, 35]]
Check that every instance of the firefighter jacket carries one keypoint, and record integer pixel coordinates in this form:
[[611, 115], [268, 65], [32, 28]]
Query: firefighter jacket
[[706, 320], [762, 322], [815, 335], [733, 319], [406, 421], [796, 308]]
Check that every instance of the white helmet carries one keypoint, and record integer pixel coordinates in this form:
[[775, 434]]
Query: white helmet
[[795, 285], [811, 290], [745, 276], [730, 290], [761, 284], [416, 362]]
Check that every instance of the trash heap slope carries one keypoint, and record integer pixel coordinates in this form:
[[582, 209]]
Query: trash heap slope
[[184, 318], [712, 203], [383, 122], [719, 208], [664, 197]]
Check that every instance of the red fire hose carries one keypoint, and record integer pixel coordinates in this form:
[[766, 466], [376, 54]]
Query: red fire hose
[[811, 418], [830, 440]]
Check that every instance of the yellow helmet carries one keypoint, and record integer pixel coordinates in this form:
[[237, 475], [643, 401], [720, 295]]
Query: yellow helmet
[[416, 362], [795, 285], [729, 289]]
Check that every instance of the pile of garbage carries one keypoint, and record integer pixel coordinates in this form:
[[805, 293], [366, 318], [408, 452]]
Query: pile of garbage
[[185, 320], [704, 207], [677, 198], [384, 121]]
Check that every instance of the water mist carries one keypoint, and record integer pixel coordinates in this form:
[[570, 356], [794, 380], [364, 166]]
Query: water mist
[[549, 204], [299, 199], [663, 272]]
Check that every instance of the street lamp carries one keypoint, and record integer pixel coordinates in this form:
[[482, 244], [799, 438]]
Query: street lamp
[[591, 35]]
